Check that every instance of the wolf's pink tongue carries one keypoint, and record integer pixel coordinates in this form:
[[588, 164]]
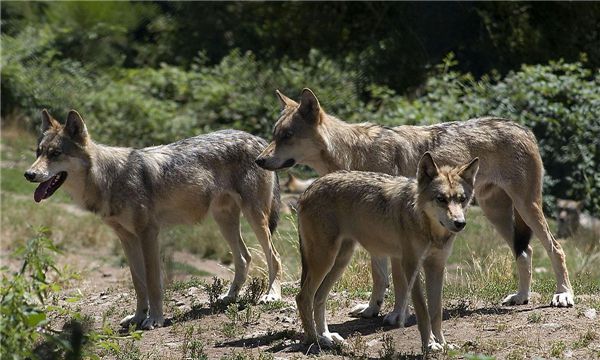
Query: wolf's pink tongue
[[41, 191]]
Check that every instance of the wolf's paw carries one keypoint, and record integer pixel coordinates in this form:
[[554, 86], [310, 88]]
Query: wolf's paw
[[132, 320], [564, 299], [227, 299], [364, 311], [269, 298], [329, 340], [516, 299], [392, 319], [434, 346], [152, 322]]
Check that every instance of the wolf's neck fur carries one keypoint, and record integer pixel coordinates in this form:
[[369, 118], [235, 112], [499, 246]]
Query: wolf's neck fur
[[91, 187], [355, 146]]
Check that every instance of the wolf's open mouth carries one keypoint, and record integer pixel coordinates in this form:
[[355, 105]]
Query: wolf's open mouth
[[48, 187]]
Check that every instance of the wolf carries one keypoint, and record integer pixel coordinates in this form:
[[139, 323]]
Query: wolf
[[139, 191], [295, 185], [508, 188], [411, 220], [571, 219]]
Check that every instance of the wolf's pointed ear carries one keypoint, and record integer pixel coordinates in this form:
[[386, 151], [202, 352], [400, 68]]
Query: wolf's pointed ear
[[284, 101], [427, 169], [309, 106], [75, 128], [47, 121], [469, 171]]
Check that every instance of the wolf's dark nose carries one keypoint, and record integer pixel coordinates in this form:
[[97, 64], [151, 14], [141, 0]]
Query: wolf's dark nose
[[260, 162], [29, 175], [460, 224]]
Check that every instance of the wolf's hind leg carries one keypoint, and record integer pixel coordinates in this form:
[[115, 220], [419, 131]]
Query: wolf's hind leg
[[530, 210], [379, 272], [228, 219], [259, 221], [316, 264], [498, 208], [341, 262]]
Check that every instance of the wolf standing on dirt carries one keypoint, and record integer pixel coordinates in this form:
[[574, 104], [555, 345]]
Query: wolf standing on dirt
[[405, 218], [137, 192], [508, 187]]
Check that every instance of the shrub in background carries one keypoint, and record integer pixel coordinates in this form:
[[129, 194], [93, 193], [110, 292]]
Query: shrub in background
[[559, 101]]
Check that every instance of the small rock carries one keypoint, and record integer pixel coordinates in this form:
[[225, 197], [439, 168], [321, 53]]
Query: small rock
[[192, 291], [372, 343], [590, 313], [568, 354], [540, 270]]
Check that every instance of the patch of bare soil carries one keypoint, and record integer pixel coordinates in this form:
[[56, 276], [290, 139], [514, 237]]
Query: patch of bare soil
[[534, 330]]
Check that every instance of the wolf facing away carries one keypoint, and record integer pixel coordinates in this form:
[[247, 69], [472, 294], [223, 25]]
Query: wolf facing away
[[508, 188], [138, 191], [410, 220]]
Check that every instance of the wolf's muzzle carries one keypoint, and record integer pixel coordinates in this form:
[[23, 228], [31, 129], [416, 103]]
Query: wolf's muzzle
[[29, 175]]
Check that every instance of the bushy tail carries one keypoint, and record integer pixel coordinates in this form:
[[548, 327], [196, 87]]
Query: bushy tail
[[522, 235], [275, 206]]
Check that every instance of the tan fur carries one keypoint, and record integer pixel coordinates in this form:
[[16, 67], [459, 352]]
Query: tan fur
[[409, 220], [139, 191], [508, 188], [295, 185], [571, 220]]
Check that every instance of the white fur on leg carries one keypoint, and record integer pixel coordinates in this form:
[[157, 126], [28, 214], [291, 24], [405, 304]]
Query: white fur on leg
[[329, 339], [564, 299], [133, 320], [516, 299], [152, 322], [274, 294], [365, 311]]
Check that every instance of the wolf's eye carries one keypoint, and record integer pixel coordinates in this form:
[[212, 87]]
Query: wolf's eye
[[441, 199], [54, 153], [462, 199], [286, 135]]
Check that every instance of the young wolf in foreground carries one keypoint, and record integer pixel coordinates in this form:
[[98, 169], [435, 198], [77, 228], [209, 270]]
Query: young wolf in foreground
[[508, 188], [400, 217], [136, 192]]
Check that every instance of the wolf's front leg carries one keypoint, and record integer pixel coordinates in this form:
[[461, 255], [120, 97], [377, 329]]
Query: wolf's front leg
[[379, 272], [133, 251], [434, 276], [151, 251]]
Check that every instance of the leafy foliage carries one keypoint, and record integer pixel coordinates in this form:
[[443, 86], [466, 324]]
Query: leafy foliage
[[144, 106], [24, 296]]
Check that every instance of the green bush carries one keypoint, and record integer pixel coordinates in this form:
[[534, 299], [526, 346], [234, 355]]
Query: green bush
[[24, 321], [138, 107], [559, 102]]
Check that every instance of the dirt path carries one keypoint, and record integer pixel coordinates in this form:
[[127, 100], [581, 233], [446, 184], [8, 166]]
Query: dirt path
[[524, 332]]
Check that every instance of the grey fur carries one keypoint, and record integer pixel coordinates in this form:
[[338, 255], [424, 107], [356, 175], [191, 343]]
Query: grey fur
[[138, 191]]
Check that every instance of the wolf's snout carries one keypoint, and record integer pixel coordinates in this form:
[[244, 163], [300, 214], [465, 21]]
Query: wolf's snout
[[460, 224], [29, 175], [260, 162]]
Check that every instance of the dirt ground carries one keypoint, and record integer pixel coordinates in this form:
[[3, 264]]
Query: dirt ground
[[531, 331]]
